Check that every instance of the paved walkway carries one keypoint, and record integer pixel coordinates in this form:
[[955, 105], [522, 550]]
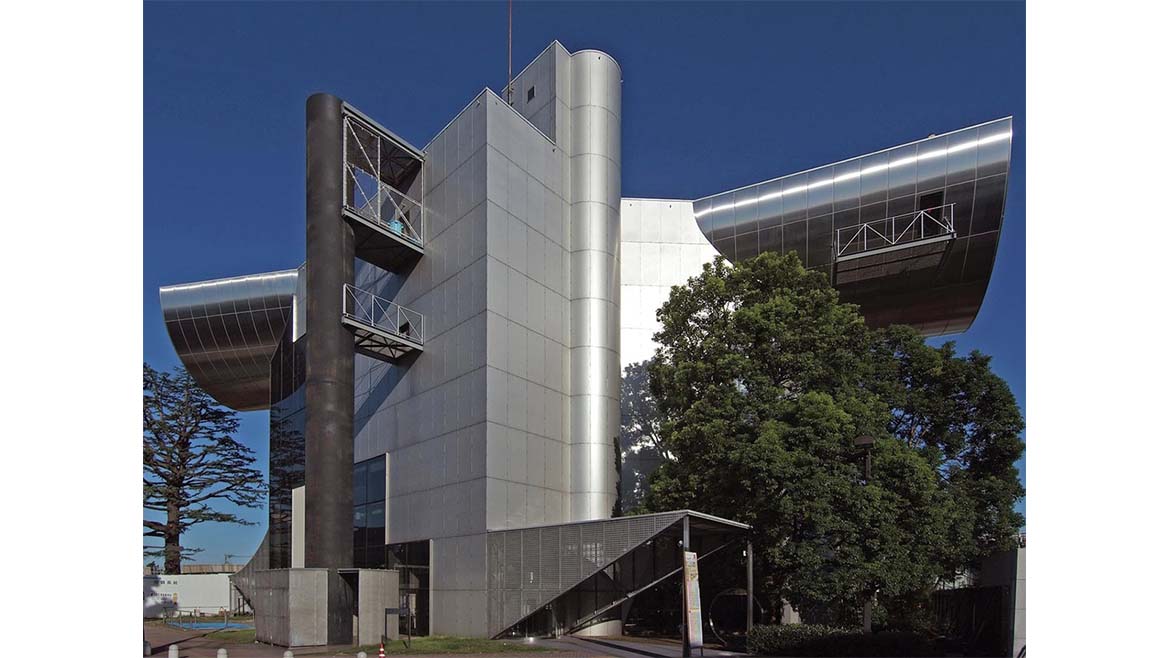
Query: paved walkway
[[194, 644]]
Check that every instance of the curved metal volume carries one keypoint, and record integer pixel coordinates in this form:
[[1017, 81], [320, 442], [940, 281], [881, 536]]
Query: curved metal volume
[[595, 280], [226, 331], [935, 280]]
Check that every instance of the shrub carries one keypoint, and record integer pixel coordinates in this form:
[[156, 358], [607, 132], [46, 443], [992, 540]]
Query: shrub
[[832, 641]]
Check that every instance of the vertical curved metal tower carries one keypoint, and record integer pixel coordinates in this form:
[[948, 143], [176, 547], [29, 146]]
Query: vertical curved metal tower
[[595, 225], [329, 253]]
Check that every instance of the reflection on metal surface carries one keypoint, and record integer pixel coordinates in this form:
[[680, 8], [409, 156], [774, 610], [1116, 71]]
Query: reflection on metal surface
[[900, 231], [381, 328], [595, 280], [934, 283], [848, 176], [225, 332]]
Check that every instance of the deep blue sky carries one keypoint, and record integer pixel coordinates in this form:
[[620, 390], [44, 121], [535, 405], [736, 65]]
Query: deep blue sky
[[715, 96]]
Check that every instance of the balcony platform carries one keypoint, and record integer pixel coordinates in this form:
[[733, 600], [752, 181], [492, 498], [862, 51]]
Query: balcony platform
[[381, 329], [378, 244]]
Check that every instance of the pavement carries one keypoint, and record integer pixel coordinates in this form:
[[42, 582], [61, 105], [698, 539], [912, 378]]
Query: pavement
[[195, 644]]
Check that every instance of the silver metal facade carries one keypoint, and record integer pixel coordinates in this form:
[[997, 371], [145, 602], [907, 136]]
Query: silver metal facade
[[537, 283], [595, 221], [938, 290], [225, 332], [428, 413]]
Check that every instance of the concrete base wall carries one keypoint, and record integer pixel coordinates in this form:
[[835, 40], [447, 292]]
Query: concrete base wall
[[377, 590], [302, 607]]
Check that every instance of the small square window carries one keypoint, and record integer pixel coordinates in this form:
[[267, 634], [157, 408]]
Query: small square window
[[531, 93]]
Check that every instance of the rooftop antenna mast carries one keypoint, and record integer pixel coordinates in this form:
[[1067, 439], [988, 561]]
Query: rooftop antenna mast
[[509, 91]]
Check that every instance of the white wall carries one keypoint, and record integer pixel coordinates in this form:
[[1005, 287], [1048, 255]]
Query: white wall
[[210, 593], [662, 246]]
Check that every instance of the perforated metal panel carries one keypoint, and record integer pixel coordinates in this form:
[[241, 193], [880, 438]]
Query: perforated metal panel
[[530, 567]]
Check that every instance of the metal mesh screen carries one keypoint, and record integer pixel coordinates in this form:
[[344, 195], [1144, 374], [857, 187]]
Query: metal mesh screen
[[530, 567]]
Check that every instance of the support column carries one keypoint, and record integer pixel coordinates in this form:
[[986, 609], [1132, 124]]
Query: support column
[[329, 358], [686, 546], [750, 589]]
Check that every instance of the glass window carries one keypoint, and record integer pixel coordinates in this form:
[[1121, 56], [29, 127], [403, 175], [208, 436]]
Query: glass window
[[376, 479], [846, 185], [359, 483], [962, 154], [359, 526], [376, 524], [795, 197]]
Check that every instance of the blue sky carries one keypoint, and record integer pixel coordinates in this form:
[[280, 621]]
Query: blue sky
[[715, 96]]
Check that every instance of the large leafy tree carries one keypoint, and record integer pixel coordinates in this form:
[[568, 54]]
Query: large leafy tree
[[189, 461], [641, 448], [764, 381]]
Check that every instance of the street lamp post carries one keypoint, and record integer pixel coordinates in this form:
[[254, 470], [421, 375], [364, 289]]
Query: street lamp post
[[865, 442]]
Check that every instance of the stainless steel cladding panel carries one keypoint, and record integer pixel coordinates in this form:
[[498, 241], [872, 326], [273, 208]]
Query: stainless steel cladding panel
[[226, 331], [595, 281]]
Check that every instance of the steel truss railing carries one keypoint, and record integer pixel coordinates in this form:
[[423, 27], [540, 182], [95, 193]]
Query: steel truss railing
[[894, 231], [364, 307], [367, 194]]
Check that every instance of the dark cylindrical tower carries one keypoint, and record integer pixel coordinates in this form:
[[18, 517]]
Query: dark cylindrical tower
[[329, 358]]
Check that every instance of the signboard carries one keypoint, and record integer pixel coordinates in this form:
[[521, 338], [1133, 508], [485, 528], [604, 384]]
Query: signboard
[[691, 589]]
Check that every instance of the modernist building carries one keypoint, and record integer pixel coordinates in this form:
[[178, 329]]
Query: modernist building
[[443, 371]]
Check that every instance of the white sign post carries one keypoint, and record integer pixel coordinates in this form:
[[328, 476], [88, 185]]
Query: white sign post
[[694, 611]]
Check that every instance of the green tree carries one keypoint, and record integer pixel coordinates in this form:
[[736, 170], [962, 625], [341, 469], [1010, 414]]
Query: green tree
[[641, 446], [764, 380], [190, 460]]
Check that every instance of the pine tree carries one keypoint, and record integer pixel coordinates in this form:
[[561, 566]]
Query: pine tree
[[190, 460]]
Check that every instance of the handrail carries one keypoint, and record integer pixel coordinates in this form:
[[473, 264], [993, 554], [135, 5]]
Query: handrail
[[897, 230], [371, 310], [368, 196]]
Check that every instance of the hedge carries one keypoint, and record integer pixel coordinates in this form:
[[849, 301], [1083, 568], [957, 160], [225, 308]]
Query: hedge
[[833, 641]]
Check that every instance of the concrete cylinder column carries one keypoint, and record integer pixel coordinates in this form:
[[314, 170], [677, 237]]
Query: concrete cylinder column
[[329, 358], [595, 282]]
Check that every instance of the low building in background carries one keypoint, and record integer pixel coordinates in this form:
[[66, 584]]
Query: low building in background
[[199, 594], [443, 372]]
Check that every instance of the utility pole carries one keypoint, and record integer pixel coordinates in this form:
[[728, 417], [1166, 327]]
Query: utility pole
[[508, 93], [686, 546], [750, 589]]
